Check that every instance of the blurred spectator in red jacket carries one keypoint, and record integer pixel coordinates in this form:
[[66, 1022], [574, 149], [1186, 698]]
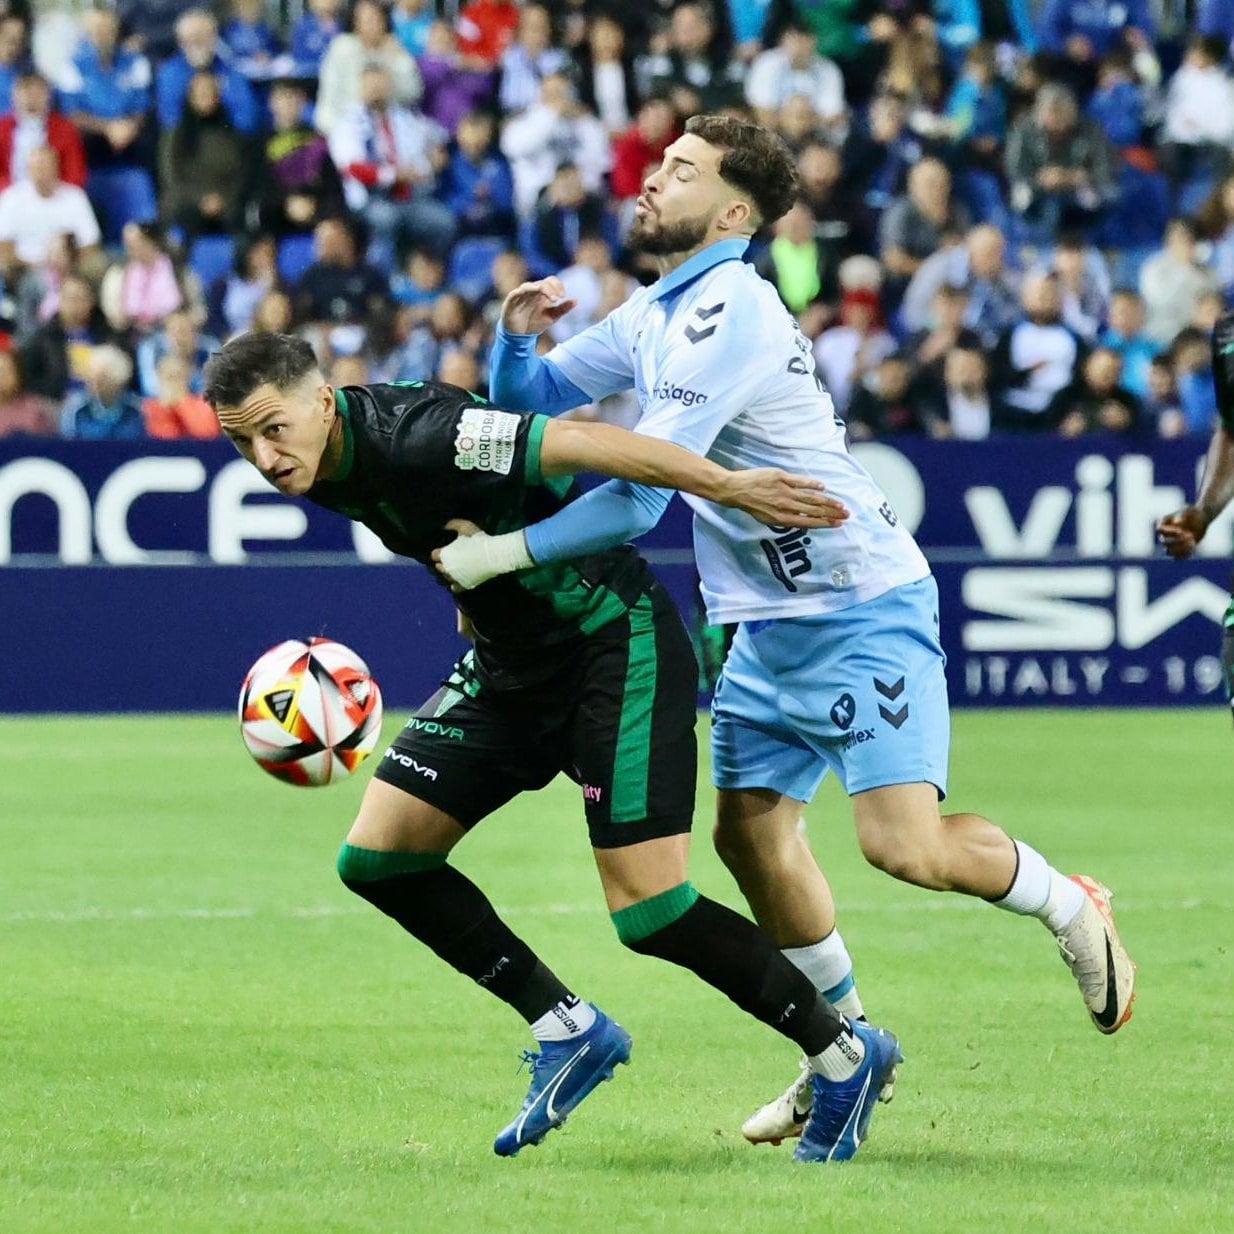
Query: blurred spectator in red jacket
[[486, 28], [176, 412], [32, 124], [642, 147]]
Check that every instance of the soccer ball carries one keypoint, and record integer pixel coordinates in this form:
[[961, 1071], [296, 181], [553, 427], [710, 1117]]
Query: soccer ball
[[310, 713]]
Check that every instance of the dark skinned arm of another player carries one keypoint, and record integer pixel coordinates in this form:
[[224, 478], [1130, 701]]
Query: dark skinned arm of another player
[[1181, 531]]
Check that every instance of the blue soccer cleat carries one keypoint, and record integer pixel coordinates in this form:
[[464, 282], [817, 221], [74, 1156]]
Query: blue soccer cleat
[[562, 1074], [841, 1111]]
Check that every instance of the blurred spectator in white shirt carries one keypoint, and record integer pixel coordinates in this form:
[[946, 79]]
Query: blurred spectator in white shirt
[[554, 131]]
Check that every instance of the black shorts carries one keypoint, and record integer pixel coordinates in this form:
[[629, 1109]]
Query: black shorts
[[618, 719]]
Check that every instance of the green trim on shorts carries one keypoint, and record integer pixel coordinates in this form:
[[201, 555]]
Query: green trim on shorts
[[1228, 620], [648, 917], [632, 758], [367, 865]]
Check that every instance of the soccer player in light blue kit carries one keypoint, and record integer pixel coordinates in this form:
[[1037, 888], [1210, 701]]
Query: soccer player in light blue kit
[[836, 662]]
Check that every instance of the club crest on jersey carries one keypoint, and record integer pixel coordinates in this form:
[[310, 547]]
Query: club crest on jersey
[[485, 440]]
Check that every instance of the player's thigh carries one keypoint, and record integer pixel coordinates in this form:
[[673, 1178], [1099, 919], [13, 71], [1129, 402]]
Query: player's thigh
[[465, 753], [753, 749], [392, 820], [637, 872], [631, 740], [755, 823], [866, 688], [900, 828]]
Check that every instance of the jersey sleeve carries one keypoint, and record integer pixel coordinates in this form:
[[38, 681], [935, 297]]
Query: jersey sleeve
[[479, 446], [715, 370], [600, 359]]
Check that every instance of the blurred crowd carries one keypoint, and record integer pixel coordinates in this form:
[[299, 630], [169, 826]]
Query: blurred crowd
[[1015, 215]]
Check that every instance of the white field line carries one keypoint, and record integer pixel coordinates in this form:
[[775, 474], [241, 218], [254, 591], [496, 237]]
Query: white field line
[[950, 904]]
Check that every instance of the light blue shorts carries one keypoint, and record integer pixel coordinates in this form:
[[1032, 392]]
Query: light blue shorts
[[861, 691]]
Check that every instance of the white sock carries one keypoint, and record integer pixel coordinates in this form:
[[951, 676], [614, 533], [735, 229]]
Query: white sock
[[569, 1018], [841, 1059], [829, 966], [1041, 891]]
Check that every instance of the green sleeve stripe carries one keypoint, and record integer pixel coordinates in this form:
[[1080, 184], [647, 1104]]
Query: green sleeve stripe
[[535, 438], [633, 754], [367, 865], [647, 917]]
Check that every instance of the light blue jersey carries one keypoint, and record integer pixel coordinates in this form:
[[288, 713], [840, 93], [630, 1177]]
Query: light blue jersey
[[721, 368]]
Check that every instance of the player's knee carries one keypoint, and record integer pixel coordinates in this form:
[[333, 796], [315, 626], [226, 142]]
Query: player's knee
[[359, 867], [732, 843], [887, 848]]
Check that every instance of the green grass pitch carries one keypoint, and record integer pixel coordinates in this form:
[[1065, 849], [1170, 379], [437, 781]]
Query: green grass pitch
[[201, 1032]]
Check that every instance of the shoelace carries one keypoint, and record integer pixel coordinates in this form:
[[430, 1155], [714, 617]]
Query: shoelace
[[530, 1060], [1087, 969]]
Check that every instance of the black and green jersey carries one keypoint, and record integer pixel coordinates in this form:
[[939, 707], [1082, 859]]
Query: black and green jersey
[[418, 454]]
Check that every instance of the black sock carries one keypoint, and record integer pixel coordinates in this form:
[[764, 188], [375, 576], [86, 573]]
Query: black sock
[[731, 953], [451, 916]]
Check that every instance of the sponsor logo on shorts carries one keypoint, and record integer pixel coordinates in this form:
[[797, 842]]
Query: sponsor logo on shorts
[[433, 728], [787, 556], [679, 394], [405, 760], [592, 792], [485, 440], [857, 737], [844, 712]]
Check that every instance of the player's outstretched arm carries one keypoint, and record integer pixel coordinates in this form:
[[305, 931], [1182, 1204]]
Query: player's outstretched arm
[[630, 506], [772, 496], [1181, 531]]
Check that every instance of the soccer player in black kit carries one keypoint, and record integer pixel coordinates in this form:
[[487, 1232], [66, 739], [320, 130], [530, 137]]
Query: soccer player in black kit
[[583, 667]]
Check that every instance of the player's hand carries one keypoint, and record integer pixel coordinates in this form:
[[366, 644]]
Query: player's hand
[[532, 307], [1181, 531], [474, 556], [780, 499]]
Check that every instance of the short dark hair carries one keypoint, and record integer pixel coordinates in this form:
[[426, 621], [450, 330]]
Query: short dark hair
[[756, 161], [256, 359]]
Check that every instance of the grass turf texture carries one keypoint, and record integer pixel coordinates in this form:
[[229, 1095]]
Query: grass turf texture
[[201, 1031]]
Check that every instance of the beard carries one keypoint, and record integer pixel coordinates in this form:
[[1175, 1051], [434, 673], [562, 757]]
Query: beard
[[663, 239]]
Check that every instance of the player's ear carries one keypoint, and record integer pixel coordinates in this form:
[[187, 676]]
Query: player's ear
[[738, 216]]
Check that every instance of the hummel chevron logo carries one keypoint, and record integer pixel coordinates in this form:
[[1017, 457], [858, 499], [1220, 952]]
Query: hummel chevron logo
[[703, 314], [894, 718], [892, 691]]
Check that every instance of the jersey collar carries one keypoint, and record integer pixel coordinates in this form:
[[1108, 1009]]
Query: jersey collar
[[700, 263], [349, 440]]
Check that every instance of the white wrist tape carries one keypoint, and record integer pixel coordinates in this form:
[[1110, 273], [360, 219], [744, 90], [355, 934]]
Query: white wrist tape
[[472, 560]]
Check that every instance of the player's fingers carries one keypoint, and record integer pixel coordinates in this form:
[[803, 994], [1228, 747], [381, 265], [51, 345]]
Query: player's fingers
[[559, 309], [552, 287], [463, 526], [803, 482], [816, 502]]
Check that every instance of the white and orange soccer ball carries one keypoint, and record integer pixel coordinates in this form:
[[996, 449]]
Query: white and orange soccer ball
[[310, 712]]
